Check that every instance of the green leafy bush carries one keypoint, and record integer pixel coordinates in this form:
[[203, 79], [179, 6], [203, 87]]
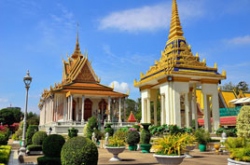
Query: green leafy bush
[[33, 147], [78, 151], [44, 160], [30, 132], [52, 145], [109, 129], [4, 153], [39, 137], [72, 132], [91, 126], [145, 134], [243, 122], [133, 136], [202, 136]]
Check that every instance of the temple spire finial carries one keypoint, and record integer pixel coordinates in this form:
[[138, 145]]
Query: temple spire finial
[[77, 51], [175, 25]]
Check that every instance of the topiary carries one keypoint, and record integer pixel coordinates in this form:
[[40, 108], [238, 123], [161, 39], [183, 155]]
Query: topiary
[[39, 137], [72, 132], [30, 132], [109, 129], [91, 126], [79, 150], [133, 137], [52, 145], [145, 134], [243, 122]]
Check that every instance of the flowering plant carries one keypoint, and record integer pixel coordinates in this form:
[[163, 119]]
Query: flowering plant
[[133, 136]]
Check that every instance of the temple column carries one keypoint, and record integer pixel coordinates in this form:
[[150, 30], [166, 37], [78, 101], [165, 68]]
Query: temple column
[[109, 110], [148, 115], [120, 110], [187, 111], [177, 109], [163, 110], [194, 106], [71, 107], [216, 114], [124, 108], [82, 117], [155, 110], [207, 122]]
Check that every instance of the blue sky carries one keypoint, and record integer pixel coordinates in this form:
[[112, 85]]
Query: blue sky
[[122, 38]]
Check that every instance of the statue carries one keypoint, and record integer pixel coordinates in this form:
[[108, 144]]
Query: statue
[[93, 137], [106, 138]]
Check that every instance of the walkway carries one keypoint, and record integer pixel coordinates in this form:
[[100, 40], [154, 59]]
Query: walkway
[[137, 158]]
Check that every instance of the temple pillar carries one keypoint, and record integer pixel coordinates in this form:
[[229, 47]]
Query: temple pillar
[[120, 110], [82, 114], [215, 111], [187, 111], [155, 110], [163, 111], [176, 109], [194, 106], [109, 109]]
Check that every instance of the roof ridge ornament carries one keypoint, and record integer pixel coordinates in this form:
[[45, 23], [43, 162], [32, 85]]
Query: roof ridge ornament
[[175, 24], [77, 51]]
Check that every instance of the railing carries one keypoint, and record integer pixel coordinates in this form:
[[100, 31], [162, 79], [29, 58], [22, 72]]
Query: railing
[[229, 111]]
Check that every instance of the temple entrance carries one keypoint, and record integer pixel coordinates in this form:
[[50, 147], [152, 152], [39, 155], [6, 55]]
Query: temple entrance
[[102, 109], [87, 109]]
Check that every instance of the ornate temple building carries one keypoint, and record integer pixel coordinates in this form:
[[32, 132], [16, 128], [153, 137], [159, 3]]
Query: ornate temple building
[[175, 78], [78, 97]]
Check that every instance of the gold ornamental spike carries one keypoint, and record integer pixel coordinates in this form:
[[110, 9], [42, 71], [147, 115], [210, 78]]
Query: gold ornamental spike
[[175, 31], [77, 51]]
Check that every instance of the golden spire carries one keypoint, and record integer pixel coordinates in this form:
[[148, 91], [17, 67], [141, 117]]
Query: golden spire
[[77, 51], [175, 25]]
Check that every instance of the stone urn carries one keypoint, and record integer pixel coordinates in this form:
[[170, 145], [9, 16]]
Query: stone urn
[[115, 151], [188, 149], [169, 160]]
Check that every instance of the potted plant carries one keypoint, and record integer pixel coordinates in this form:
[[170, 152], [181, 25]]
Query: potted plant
[[116, 145], [145, 138], [202, 137], [169, 149], [239, 149], [133, 138]]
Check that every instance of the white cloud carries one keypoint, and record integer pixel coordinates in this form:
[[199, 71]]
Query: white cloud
[[239, 40], [120, 87], [3, 100], [148, 18]]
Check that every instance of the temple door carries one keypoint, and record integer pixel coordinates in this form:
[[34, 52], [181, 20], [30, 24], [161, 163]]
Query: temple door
[[102, 107], [87, 109]]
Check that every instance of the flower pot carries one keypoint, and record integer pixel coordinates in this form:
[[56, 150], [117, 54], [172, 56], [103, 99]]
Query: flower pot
[[169, 160], [234, 162], [202, 147], [115, 151], [145, 148], [132, 147], [189, 148]]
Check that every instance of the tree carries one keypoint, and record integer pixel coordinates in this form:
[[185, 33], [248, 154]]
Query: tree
[[243, 86], [228, 86], [10, 115]]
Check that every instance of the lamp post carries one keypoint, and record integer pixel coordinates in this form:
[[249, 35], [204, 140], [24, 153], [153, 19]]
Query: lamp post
[[27, 80]]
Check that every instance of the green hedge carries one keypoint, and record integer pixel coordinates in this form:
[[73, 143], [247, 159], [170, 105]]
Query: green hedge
[[32, 129], [4, 154], [78, 151], [39, 137], [52, 145], [34, 147], [45, 160]]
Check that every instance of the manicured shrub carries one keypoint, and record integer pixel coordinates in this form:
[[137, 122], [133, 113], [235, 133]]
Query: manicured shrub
[[39, 137], [133, 136], [243, 122], [72, 132], [30, 132], [44, 160], [52, 145], [78, 151], [5, 154], [109, 129], [91, 126], [33, 147]]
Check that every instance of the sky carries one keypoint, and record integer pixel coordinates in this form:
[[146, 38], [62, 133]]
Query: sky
[[122, 39]]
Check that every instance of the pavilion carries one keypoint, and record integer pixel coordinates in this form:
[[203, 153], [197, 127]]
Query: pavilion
[[174, 78], [78, 97]]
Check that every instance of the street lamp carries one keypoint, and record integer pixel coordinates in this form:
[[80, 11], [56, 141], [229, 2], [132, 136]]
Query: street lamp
[[27, 80]]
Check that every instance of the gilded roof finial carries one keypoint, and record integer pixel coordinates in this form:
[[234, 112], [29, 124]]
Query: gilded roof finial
[[77, 51], [175, 25]]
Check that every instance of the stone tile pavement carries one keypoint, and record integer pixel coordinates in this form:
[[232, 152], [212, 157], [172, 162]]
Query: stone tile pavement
[[138, 158]]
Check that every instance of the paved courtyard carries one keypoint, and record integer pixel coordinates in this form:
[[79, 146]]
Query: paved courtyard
[[138, 158]]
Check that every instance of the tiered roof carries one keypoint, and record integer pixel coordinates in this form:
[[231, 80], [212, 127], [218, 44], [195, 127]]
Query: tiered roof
[[178, 61]]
